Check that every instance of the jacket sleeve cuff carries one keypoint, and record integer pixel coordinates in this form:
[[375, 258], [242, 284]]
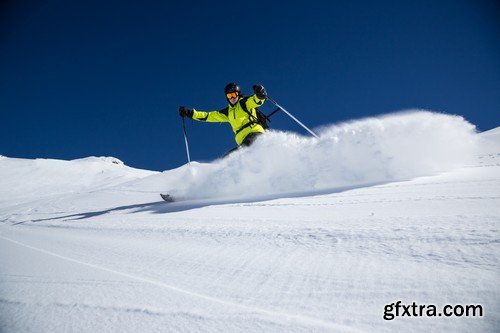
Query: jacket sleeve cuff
[[257, 100]]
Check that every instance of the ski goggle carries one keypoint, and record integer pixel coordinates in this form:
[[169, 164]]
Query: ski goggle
[[232, 95]]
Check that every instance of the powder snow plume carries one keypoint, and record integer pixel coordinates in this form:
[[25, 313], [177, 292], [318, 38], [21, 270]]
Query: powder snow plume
[[374, 150]]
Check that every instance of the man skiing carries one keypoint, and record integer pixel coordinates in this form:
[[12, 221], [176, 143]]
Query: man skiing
[[241, 113]]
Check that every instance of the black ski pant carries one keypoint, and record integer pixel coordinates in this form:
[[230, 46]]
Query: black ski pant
[[249, 139]]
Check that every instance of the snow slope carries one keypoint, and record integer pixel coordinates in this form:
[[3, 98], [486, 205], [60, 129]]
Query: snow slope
[[396, 208], [25, 179]]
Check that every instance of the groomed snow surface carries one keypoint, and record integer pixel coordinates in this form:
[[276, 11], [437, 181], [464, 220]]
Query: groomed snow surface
[[294, 234]]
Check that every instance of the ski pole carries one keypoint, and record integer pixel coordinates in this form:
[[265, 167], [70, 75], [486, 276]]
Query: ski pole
[[291, 116], [186, 140], [272, 114]]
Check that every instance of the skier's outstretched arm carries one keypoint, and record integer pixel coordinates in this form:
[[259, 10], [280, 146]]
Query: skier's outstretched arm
[[208, 116]]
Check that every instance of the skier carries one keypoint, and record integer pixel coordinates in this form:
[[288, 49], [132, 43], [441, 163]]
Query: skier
[[241, 114]]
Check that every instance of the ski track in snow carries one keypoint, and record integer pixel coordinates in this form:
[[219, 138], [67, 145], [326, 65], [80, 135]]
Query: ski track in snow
[[108, 255], [272, 315]]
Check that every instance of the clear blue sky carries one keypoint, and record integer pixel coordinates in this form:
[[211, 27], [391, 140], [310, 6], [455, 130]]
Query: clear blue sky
[[105, 78]]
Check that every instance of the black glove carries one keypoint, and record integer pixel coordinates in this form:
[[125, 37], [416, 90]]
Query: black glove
[[259, 91], [183, 112]]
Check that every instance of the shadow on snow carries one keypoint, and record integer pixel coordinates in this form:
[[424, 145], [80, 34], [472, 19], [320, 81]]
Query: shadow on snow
[[162, 207]]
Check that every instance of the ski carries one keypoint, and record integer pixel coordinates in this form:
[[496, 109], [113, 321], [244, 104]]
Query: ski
[[167, 197]]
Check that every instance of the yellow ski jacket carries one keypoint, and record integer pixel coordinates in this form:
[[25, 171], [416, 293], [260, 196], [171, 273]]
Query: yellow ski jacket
[[241, 121]]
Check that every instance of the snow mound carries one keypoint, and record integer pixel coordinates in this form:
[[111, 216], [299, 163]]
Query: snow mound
[[102, 159], [25, 178], [391, 147], [490, 142], [492, 134]]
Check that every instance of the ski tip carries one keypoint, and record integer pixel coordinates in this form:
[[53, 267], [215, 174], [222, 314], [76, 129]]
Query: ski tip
[[167, 197]]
